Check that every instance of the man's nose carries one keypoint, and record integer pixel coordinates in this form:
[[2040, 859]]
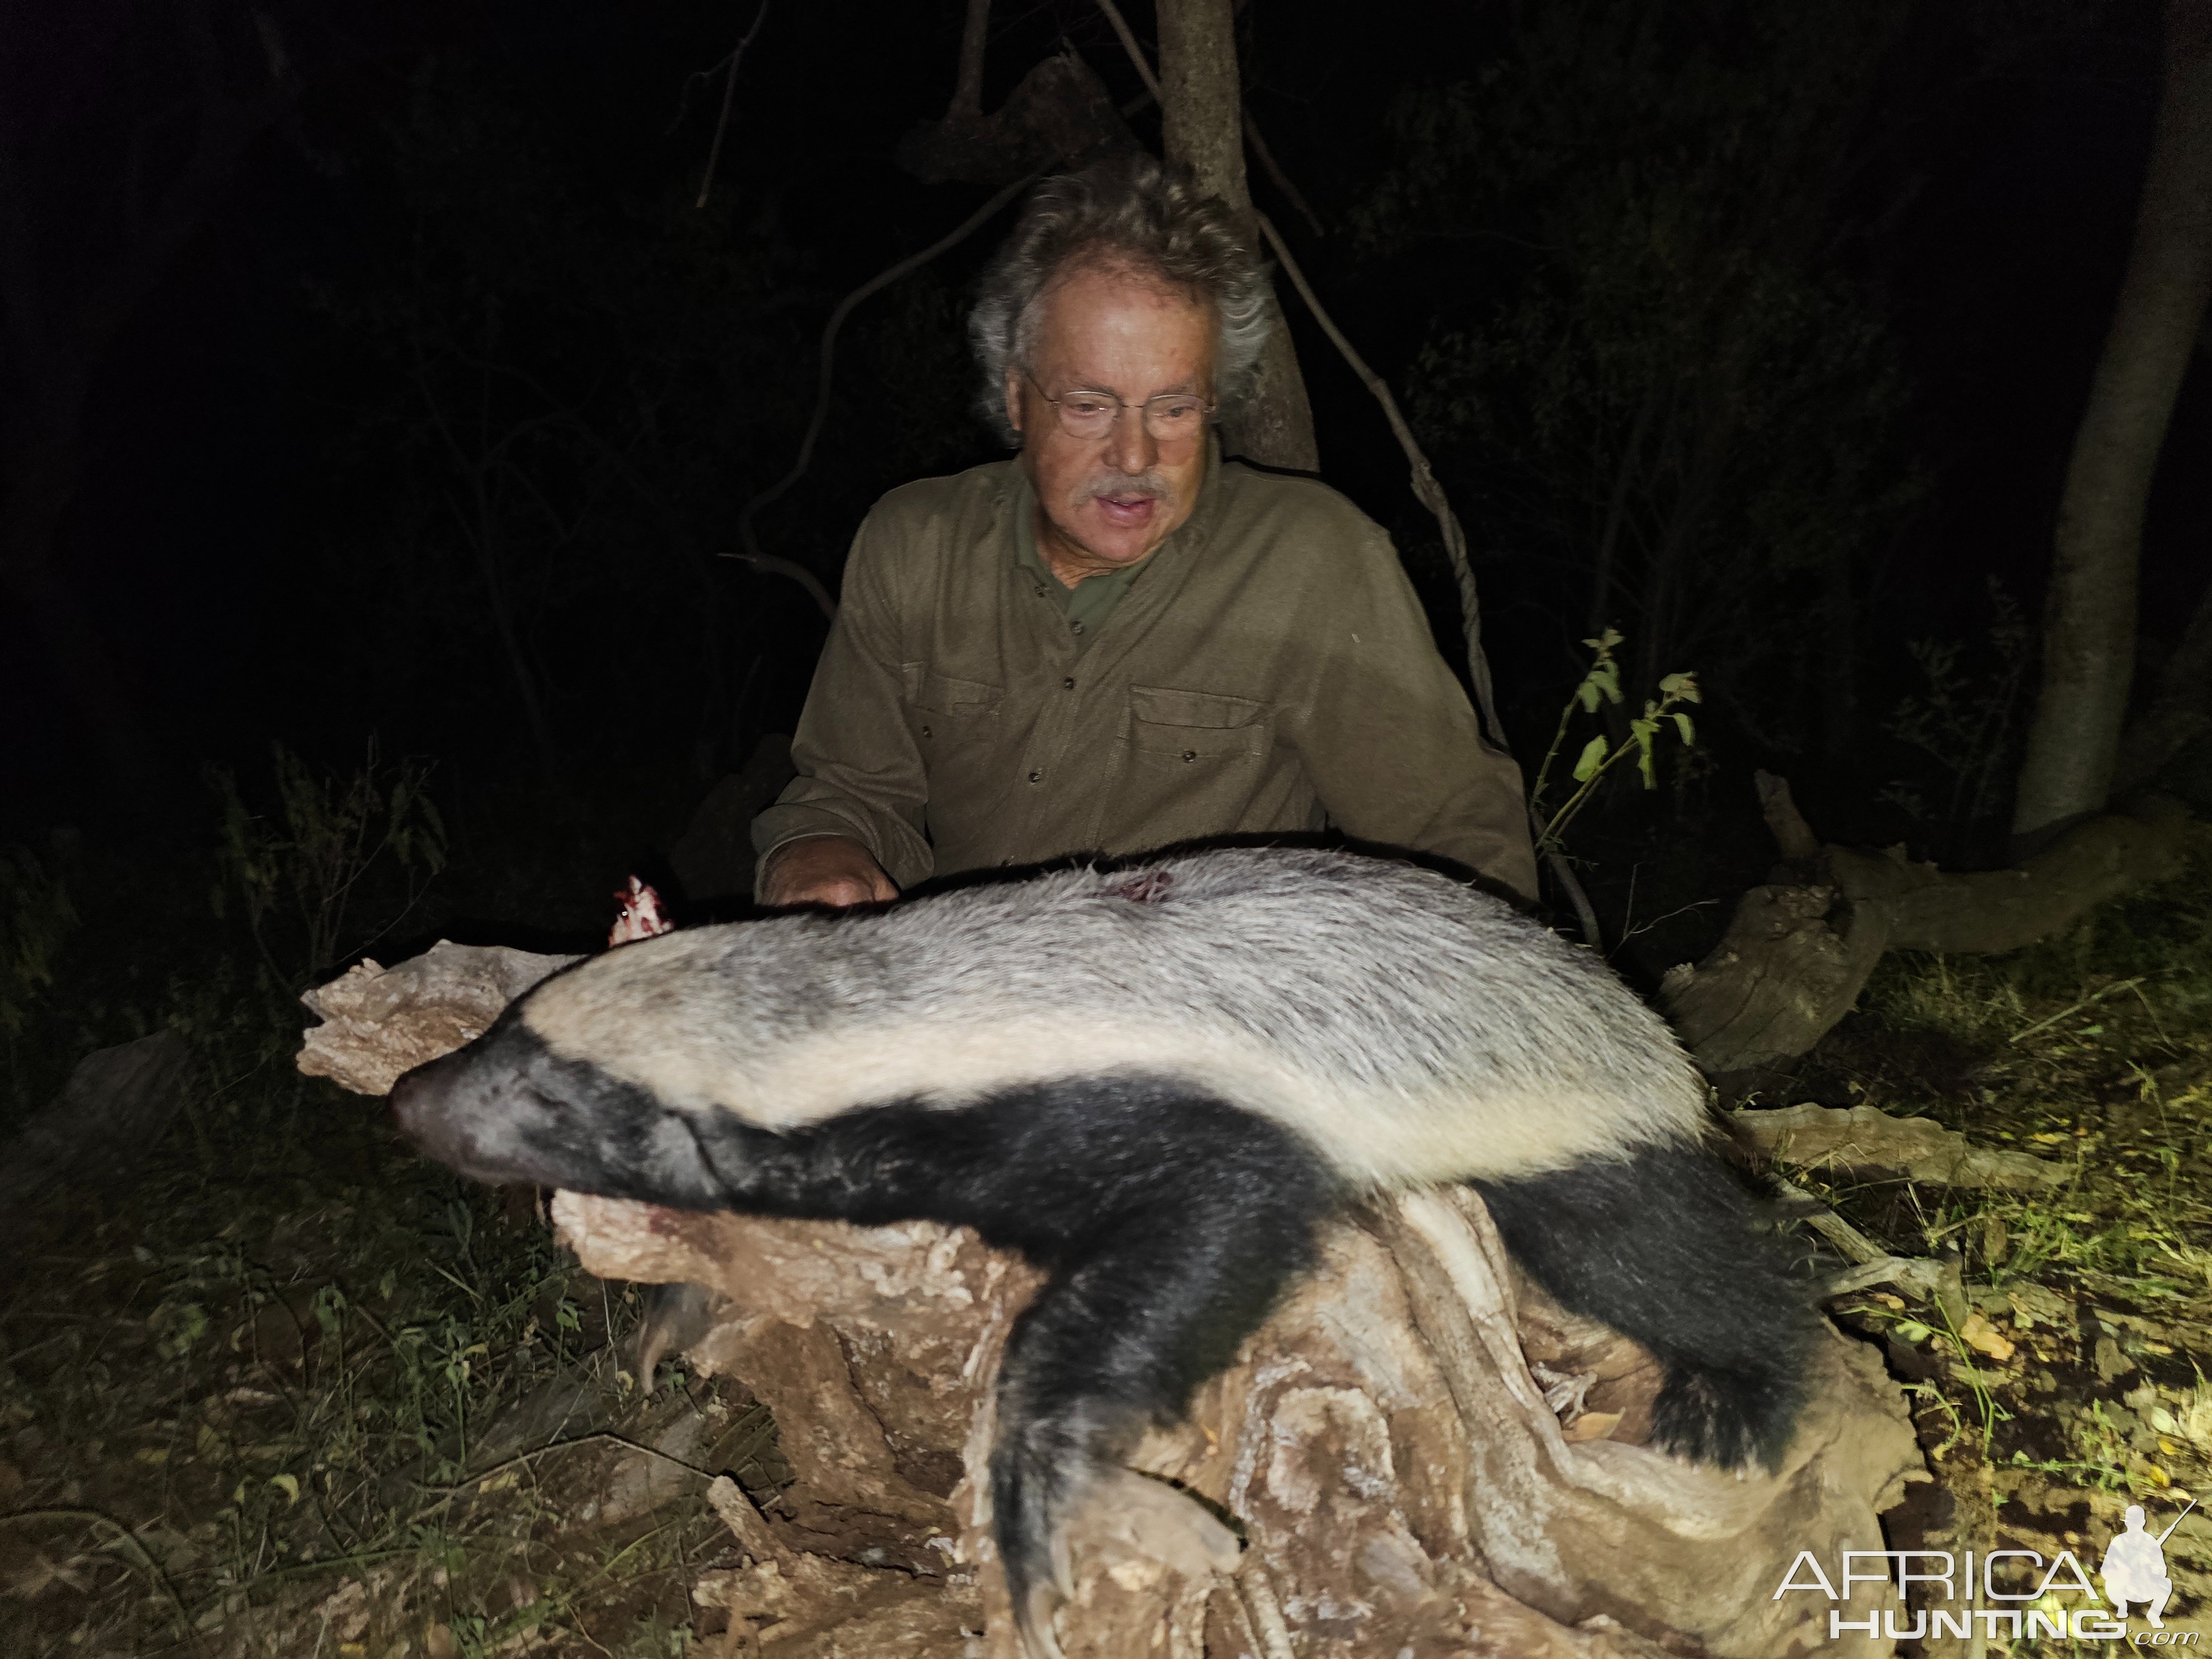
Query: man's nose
[[1129, 446]]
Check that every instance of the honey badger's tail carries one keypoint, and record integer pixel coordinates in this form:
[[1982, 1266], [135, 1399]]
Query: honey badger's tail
[[1665, 1246]]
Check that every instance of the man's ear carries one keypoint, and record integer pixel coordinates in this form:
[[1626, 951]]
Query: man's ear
[[1014, 400]]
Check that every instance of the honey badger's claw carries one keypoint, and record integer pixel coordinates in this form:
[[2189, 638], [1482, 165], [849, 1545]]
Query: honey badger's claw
[[1122, 1514], [1126, 1513]]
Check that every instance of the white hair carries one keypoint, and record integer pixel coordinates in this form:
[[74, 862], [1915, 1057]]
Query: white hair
[[1128, 210]]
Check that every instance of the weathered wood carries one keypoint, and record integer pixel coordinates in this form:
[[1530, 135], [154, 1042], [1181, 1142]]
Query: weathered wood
[[380, 1022], [1799, 950], [1423, 1451], [1866, 1141]]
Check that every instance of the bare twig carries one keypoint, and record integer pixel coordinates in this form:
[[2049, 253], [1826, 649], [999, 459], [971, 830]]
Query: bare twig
[[751, 551], [729, 91], [1144, 65], [1426, 490], [1266, 157], [1430, 494]]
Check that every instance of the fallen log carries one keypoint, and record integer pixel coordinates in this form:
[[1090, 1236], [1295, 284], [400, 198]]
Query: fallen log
[[1800, 948], [1866, 1141], [1424, 1454]]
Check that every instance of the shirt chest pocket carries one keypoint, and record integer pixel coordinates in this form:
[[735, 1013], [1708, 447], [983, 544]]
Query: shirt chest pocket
[[957, 727], [942, 710], [1196, 729]]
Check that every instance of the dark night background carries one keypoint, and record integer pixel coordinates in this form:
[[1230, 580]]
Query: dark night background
[[378, 409], [264, 538]]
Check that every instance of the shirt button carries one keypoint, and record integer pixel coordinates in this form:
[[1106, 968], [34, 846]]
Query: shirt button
[[1190, 754], [1077, 627], [1035, 777], [925, 731], [1067, 685]]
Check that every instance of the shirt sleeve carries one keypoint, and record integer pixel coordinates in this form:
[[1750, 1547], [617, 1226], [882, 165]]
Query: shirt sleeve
[[1389, 739], [859, 772]]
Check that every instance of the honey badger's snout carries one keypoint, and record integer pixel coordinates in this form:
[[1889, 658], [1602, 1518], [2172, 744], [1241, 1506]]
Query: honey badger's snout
[[479, 1120], [506, 1109]]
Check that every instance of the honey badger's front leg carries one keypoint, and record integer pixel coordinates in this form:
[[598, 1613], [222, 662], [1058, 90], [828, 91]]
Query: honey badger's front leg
[[1151, 1300], [1170, 1221]]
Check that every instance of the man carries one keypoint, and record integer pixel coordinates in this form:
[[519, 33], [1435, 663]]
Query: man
[[1116, 640]]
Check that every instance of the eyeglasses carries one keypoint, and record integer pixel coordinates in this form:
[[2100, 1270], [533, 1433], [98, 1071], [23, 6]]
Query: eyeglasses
[[1170, 417]]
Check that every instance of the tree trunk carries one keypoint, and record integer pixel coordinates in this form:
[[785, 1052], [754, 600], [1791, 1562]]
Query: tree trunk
[[1202, 128], [2090, 615]]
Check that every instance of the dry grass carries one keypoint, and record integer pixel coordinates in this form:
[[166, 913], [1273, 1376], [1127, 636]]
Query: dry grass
[[2080, 1385]]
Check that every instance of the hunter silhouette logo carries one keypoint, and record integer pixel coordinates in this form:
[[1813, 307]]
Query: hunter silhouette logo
[[2134, 1567]]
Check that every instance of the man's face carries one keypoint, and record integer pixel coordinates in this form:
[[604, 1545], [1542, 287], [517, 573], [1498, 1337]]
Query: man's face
[[1107, 501]]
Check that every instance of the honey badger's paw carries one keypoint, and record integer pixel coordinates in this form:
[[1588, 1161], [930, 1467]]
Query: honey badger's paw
[[1123, 1515]]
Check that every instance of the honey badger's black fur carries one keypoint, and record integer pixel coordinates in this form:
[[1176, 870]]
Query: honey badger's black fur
[[1155, 1084]]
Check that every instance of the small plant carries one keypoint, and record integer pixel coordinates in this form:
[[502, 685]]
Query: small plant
[[1599, 756], [296, 877]]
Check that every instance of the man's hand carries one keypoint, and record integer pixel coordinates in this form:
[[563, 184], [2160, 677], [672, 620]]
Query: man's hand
[[832, 869]]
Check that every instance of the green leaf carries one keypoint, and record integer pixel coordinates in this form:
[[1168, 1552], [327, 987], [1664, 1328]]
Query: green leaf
[[289, 1486], [1689, 736], [1593, 756], [1585, 694], [1682, 686]]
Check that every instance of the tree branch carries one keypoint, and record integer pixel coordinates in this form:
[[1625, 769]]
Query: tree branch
[[729, 91], [960, 232]]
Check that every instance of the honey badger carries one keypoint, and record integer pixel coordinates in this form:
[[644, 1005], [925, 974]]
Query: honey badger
[[1154, 1080]]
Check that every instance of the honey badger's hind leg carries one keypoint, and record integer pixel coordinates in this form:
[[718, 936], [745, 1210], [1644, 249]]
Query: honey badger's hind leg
[[1665, 1246]]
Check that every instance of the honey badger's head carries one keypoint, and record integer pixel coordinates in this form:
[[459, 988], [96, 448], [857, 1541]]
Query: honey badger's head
[[506, 1110]]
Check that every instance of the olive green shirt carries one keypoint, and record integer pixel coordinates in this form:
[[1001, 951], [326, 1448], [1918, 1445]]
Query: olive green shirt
[[1267, 668]]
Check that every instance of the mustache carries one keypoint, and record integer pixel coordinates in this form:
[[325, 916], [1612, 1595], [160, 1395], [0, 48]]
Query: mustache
[[1125, 485]]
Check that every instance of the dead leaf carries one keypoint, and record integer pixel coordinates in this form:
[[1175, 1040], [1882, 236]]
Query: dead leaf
[[44, 1572], [1983, 1337], [1593, 1425]]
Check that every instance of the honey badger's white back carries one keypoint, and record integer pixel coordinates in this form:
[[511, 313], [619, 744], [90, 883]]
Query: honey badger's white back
[[1409, 1027]]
